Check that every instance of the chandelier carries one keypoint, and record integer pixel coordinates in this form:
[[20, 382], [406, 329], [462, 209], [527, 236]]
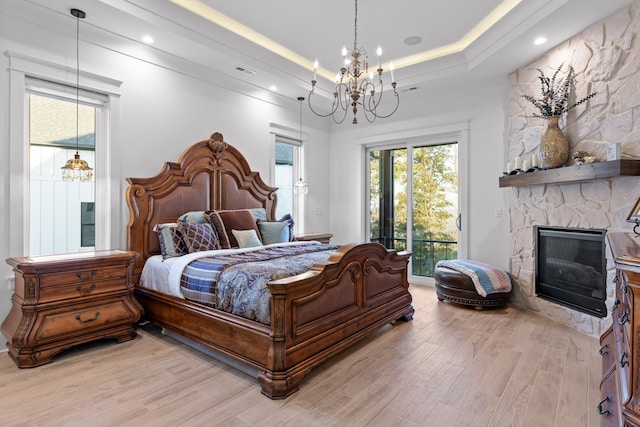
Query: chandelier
[[77, 169], [355, 85]]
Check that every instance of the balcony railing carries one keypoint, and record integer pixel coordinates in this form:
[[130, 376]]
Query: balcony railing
[[426, 253]]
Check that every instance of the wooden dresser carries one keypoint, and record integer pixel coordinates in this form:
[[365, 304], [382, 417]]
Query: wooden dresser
[[64, 300], [620, 385]]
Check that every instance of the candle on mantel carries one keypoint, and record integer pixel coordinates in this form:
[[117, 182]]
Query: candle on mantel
[[509, 167], [517, 162], [525, 164], [534, 160]]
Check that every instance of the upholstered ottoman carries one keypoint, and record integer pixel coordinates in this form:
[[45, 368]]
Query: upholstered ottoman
[[458, 287]]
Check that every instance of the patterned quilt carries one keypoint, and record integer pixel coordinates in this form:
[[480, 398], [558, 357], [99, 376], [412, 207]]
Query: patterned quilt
[[237, 283]]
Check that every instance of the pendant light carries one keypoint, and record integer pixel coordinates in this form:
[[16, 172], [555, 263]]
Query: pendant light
[[76, 169], [300, 187]]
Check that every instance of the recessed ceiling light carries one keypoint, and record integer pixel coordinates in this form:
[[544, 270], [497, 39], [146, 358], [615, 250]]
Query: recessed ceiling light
[[273, 88], [412, 40], [540, 40], [147, 39]]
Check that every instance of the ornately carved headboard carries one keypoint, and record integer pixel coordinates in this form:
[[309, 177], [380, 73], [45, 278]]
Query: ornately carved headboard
[[210, 174]]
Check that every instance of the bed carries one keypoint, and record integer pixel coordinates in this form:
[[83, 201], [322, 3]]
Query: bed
[[313, 315]]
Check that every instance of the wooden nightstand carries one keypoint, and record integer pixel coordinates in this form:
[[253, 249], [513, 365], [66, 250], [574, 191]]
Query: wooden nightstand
[[319, 237], [64, 300]]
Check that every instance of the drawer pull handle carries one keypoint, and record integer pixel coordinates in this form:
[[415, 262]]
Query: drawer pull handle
[[86, 291], [616, 303], [624, 360], [87, 276], [79, 319], [604, 350], [624, 318], [604, 411], [623, 288]]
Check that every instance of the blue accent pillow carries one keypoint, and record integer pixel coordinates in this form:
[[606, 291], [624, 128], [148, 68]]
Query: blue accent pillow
[[274, 231], [194, 217]]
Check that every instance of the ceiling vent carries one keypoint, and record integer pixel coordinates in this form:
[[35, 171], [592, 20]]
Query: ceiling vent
[[245, 70]]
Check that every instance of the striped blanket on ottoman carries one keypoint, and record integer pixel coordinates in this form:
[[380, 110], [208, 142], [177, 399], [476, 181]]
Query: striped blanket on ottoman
[[486, 278]]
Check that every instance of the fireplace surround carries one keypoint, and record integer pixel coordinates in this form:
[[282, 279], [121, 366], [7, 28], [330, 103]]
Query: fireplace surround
[[571, 268]]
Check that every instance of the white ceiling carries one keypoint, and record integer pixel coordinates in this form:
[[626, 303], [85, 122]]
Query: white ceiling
[[319, 29]]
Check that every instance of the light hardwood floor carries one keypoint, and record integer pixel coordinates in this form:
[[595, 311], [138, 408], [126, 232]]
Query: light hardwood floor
[[450, 366]]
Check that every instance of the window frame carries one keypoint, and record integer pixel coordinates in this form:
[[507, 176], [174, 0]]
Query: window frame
[[458, 132], [108, 216]]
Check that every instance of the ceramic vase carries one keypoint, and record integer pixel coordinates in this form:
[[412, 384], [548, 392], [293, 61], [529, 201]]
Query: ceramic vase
[[554, 148]]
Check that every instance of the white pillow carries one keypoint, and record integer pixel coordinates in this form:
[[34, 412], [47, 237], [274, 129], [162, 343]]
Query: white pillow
[[247, 238]]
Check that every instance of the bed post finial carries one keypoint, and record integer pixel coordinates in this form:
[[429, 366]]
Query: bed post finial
[[217, 144]]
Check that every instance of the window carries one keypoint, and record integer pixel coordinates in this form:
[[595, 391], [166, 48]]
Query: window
[[285, 153], [288, 153], [58, 211]]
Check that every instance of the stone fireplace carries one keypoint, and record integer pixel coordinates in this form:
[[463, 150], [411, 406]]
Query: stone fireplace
[[590, 205], [606, 60]]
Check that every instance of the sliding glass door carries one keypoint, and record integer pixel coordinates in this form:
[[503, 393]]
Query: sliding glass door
[[413, 202]]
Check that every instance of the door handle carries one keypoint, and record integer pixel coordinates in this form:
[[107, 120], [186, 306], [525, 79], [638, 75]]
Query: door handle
[[459, 222]]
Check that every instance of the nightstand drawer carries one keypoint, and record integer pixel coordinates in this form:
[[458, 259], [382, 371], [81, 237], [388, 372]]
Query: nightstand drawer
[[60, 323], [80, 290], [89, 275]]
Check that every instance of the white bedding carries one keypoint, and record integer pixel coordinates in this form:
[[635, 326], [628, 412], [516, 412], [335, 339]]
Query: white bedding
[[164, 275]]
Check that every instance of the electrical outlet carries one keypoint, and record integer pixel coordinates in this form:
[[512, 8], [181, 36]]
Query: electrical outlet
[[499, 213], [11, 283]]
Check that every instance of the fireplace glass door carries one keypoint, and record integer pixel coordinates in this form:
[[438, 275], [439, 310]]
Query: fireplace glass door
[[571, 268]]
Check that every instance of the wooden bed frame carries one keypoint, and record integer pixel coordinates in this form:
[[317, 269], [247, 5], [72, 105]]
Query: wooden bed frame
[[313, 315]]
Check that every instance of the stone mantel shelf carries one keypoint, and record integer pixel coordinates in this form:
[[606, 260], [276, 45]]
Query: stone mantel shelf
[[584, 172]]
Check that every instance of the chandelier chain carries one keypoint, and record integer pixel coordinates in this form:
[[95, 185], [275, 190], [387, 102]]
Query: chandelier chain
[[77, 83], [355, 28]]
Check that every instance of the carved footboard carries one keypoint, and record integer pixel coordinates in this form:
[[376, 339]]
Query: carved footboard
[[313, 315], [319, 313]]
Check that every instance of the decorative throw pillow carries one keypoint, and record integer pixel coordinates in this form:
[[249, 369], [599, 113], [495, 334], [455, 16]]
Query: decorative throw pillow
[[246, 238], [258, 213], [225, 221], [198, 237], [274, 231], [288, 218], [196, 217], [171, 242]]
